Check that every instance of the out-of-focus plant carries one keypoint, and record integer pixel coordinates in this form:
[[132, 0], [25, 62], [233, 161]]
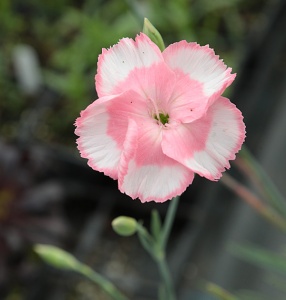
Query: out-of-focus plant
[[273, 263], [28, 214], [266, 200], [221, 294], [68, 38], [63, 260], [74, 61]]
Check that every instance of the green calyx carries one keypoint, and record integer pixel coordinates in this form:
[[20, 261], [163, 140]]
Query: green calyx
[[162, 118], [155, 36]]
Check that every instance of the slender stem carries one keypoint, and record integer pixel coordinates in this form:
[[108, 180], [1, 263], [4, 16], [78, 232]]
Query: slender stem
[[166, 278], [253, 201], [169, 220], [162, 264], [155, 245], [147, 241], [105, 284]]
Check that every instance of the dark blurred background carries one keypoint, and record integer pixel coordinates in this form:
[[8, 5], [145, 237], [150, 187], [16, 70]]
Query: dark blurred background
[[48, 56]]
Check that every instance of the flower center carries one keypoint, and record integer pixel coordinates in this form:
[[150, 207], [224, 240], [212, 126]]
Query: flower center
[[162, 118]]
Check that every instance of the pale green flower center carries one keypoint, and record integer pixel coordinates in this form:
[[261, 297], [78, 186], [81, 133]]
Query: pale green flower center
[[162, 118]]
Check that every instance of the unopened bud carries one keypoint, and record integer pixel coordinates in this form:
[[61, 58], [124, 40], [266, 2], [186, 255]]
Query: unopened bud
[[57, 257], [124, 226], [153, 34]]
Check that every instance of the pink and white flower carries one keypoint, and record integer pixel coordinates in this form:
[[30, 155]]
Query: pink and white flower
[[160, 118]]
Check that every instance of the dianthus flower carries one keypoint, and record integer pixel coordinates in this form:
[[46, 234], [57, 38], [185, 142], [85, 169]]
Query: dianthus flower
[[160, 118]]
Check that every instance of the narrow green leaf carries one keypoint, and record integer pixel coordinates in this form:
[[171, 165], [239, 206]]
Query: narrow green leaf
[[274, 196], [219, 292], [145, 239], [260, 257], [169, 220], [156, 225]]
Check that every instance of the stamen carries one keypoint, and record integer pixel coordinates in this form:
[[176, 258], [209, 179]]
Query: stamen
[[162, 118]]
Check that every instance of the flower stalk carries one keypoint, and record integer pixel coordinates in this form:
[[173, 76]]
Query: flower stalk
[[155, 245], [169, 220], [61, 259], [106, 285], [161, 245], [169, 293]]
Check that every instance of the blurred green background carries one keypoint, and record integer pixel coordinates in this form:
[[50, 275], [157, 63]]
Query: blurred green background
[[68, 36]]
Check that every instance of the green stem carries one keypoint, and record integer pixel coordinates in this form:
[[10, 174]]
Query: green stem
[[59, 258], [169, 220], [147, 241], [155, 245], [253, 170], [162, 243], [106, 285], [166, 278]]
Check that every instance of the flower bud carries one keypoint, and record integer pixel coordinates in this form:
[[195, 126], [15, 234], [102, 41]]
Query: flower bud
[[125, 226], [153, 34], [57, 257]]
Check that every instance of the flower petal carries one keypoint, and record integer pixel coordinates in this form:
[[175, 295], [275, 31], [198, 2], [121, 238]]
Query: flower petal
[[94, 144], [206, 145], [102, 128], [201, 64], [116, 63], [144, 171], [154, 83], [188, 101]]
